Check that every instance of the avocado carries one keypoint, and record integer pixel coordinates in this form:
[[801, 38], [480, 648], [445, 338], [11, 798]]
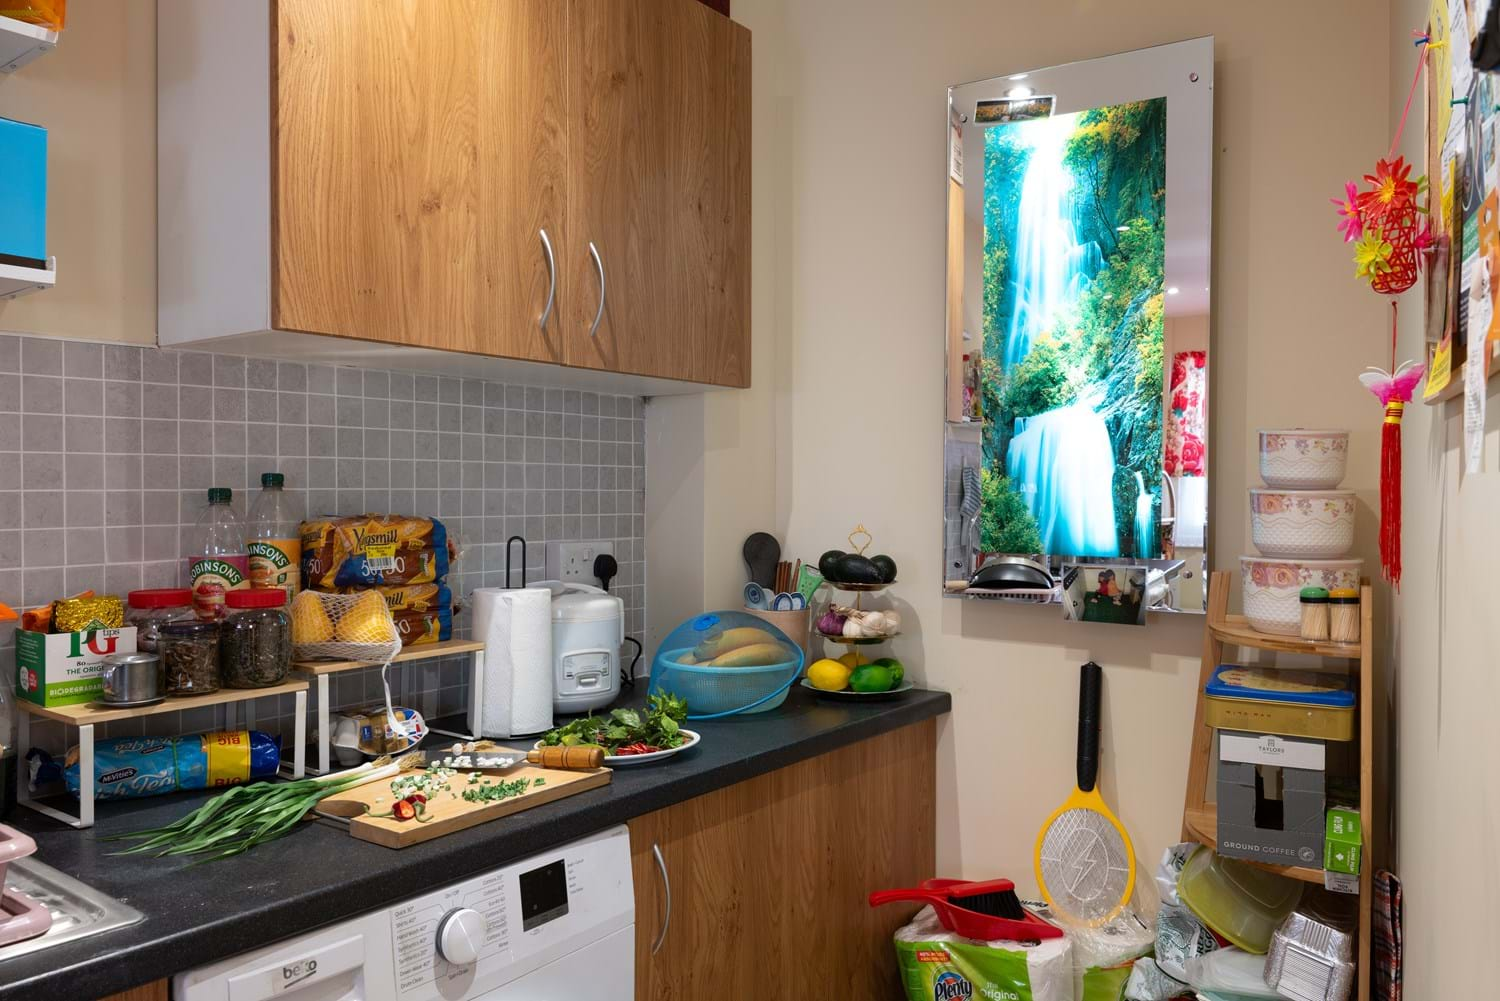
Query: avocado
[[852, 568], [886, 566], [827, 561]]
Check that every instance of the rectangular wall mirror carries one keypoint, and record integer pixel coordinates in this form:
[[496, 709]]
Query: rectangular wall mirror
[[1079, 202]]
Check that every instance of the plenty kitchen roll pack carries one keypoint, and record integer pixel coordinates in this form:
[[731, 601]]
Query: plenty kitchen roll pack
[[515, 625]]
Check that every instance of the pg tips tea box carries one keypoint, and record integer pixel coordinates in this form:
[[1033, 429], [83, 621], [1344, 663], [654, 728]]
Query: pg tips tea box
[[62, 669]]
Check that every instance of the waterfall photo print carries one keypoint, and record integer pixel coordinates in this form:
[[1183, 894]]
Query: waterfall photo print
[[1070, 371]]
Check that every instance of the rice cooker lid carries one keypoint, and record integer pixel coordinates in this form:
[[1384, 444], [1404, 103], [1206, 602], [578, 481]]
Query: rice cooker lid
[[581, 607]]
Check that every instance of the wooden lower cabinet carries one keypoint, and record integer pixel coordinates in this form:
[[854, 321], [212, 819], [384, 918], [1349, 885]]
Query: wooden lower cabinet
[[154, 991], [768, 878]]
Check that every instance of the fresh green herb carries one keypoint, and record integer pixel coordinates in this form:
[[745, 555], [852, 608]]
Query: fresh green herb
[[658, 729], [486, 793]]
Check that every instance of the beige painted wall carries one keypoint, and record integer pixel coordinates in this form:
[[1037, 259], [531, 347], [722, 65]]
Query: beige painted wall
[[96, 95], [843, 424], [1446, 636]]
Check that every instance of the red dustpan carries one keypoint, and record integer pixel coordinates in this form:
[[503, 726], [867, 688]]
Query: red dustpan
[[987, 910]]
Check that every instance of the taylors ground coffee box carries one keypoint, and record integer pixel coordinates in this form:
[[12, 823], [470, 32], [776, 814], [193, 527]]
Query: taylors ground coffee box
[[62, 669]]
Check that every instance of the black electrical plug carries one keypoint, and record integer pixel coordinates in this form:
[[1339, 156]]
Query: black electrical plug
[[605, 568]]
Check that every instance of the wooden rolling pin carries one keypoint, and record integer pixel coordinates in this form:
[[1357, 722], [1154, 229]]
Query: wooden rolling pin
[[578, 758]]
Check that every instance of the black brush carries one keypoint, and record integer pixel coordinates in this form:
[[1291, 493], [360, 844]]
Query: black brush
[[996, 897]]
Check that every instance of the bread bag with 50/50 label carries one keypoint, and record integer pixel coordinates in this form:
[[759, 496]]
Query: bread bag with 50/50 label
[[374, 549], [423, 613]]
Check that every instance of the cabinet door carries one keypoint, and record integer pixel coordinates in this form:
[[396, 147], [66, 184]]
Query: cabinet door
[[418, 153], [659, 186], [769, 878]]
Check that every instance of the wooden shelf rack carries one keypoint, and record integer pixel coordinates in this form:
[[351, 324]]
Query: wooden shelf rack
[[1200, 817], [87, 715], [320, 671]]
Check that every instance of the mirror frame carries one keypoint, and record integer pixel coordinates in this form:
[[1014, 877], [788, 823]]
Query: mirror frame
[[1183, 73]]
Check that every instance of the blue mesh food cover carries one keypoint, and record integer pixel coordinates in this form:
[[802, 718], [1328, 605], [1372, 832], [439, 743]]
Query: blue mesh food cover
[[727, 662]]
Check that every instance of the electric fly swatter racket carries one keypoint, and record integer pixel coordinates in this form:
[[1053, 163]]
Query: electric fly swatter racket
[[1085, 863]]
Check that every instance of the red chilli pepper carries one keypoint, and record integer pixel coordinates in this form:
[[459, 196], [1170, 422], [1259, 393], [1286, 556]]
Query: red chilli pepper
[[403, 810], [417, 797]]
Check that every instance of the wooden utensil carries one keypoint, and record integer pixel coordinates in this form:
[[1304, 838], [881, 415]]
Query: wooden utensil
[[447, 811], [579, 758]]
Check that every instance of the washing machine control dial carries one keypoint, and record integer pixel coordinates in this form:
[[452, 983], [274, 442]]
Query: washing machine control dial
[[460, 935]]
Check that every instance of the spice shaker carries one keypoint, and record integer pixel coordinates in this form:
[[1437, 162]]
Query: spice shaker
[[1315, 614], [1343, 615], [255, 640]]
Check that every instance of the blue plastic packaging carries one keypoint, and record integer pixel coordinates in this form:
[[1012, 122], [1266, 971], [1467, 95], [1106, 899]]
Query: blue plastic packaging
[[132, 767], [23, 222]]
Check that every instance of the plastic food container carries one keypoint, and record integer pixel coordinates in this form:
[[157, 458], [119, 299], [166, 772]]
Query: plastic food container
[[729, 662], [189, 654], [255, 639], [1239, 902], [1290, 703], [150, 609]]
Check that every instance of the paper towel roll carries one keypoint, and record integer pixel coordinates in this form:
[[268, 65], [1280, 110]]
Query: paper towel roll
[[515, 626]]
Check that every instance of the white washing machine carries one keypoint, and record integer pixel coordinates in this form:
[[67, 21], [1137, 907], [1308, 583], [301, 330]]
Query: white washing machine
[[549, 927]]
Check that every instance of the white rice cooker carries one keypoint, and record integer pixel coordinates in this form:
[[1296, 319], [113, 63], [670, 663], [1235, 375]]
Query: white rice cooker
[[588, 629]]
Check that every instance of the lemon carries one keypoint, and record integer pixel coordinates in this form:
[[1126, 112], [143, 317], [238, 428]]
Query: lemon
[[852, 659], [829, 675], [310, 623]]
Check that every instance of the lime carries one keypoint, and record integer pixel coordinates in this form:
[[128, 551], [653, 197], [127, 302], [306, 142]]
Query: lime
[[898, 672], [872, 678], [828, 675]]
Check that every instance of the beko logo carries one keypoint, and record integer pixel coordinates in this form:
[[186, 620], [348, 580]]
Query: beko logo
[[295, 973]]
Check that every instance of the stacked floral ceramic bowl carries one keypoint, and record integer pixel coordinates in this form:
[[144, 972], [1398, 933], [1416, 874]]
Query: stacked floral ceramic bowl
[[1301, 523]]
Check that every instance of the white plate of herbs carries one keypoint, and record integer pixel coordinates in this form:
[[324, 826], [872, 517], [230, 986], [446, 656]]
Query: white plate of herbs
[[631, 736]]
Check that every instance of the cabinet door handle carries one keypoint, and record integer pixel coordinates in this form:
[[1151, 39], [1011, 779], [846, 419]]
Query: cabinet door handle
[[598, 263], [666, 885], [552, 278]]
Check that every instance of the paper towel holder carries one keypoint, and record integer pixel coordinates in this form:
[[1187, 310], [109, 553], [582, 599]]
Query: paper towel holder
[[509, 546]]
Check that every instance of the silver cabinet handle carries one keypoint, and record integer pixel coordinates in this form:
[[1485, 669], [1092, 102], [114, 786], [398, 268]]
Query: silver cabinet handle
[[666, 884], [598, 263], [552, 277]]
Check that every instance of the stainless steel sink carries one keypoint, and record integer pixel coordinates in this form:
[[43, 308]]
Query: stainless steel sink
[[78, 910]]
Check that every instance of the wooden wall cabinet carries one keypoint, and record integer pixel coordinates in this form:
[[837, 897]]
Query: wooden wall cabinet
[[768, 879], [561, 186]]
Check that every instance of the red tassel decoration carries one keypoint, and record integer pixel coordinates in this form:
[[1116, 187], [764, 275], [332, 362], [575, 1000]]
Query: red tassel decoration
[[1390, 493], [1394, 390]]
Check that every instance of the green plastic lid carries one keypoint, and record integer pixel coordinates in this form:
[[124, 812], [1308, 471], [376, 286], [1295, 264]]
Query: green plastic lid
[[272, 480], [1315, 595], [220, 495]]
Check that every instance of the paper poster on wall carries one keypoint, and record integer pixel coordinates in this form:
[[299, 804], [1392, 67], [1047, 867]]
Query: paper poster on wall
[[1072, 380]]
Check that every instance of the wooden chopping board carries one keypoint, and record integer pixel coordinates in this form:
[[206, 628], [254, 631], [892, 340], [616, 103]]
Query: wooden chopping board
[[448, 810]]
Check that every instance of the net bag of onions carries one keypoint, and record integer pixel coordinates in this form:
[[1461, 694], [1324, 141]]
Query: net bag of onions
[[343, 627]]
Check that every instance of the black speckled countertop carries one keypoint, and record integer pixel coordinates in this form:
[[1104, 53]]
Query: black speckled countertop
[[319, 874]]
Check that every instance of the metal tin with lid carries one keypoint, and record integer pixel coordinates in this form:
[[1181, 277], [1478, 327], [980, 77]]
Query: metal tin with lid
[[132, 678], [1289, 703]]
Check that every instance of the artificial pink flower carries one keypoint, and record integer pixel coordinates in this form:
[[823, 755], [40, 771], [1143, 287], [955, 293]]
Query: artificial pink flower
[[1423, 240], [1351, 221]]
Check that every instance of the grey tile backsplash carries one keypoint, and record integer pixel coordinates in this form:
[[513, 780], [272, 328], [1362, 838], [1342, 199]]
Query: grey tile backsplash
[[107, 451]]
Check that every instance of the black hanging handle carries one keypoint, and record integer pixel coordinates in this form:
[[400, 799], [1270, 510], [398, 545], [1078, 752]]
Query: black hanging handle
[[509, 544], [1090, 685]]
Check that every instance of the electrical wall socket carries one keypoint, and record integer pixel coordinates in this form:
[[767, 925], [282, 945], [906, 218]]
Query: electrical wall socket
[[574, 561]]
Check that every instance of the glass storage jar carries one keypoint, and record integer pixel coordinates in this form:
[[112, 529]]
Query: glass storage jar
[[255, 640], [150, 609], [189, 654]]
